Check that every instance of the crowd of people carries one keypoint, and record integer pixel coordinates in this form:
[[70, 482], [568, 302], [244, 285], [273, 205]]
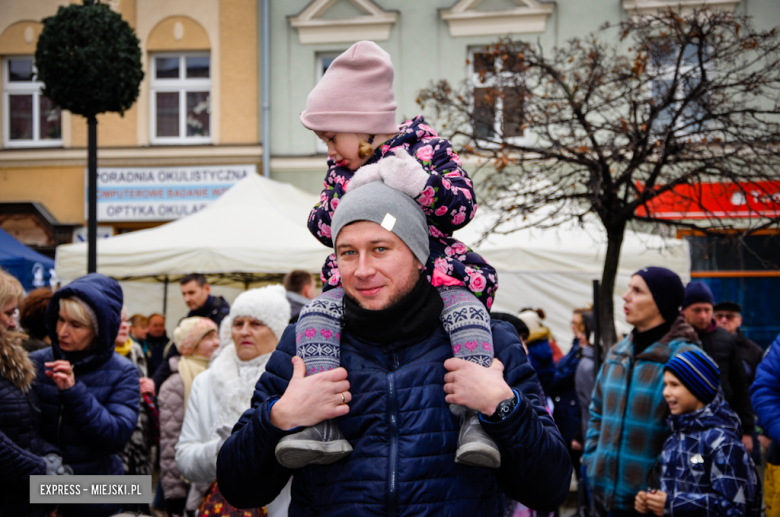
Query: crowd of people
[[395, 391]]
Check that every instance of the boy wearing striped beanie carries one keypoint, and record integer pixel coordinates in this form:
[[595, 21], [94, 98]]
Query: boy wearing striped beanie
[[705, 469]]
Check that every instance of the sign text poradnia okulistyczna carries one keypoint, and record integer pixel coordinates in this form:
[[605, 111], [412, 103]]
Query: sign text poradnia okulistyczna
[[162, 193]]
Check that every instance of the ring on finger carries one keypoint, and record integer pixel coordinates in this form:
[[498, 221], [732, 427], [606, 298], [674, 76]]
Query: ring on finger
[[343, 398]]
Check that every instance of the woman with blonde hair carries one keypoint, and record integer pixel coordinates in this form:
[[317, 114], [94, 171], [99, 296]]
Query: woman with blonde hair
[[23, 453], [221, 394], [88, 393], [11, 296]]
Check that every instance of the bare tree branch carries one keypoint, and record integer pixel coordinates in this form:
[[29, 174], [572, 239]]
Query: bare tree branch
[[641, 115]]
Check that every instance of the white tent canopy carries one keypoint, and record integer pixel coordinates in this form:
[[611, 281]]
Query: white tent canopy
[[259, 226], [554, 269]]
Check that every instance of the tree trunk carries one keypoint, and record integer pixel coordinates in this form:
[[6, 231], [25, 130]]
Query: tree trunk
[[92, 196], [615, 234]]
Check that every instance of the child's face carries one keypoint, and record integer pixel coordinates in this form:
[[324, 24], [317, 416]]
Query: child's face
[[343, 148], [680, 400]]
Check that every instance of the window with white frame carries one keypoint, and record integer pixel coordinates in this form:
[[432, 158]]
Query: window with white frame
[[181, 98], [497, 94], [664, 60], [29, 118], [323, 63]]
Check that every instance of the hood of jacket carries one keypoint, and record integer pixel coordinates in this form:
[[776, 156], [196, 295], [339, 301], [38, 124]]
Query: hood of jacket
[[716, 414], [409, 133], [104, 296]]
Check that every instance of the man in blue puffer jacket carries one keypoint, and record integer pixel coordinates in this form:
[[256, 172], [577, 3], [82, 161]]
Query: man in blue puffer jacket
[[394, 407], [92, 420], [765, 395]]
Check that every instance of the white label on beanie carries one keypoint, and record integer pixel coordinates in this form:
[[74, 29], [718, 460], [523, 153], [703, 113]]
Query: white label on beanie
[[388, 222]]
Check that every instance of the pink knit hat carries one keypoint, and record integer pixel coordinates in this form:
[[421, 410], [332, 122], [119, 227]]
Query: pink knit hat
[[355, 95], [190, 332]]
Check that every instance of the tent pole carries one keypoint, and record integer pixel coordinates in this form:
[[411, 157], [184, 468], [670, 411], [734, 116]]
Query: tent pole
[[92, 179], [165, 298], [266, 107], [596, 328]]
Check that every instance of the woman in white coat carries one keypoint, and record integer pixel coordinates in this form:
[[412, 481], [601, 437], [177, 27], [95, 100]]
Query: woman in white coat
[[221, 394]]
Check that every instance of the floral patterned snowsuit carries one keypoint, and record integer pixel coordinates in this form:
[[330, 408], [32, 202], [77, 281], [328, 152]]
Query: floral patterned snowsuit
[[448, 200]]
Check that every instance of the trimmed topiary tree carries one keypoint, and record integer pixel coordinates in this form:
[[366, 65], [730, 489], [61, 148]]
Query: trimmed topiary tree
[[89, 60]]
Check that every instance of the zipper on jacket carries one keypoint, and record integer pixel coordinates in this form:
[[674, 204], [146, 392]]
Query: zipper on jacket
[[392, 408], [59, 427]]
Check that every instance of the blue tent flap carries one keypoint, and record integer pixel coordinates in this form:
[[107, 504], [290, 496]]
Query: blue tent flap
[[31, 268]]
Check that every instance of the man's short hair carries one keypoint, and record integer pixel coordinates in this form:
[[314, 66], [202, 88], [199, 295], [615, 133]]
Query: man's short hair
[[197, 277], [295, 281], [139, 320], [156, 315]]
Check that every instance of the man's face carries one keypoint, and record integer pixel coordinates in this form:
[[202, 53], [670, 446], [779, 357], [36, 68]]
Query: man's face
[[377, 269], [639, 307], [698, 315], [729, 320], [194, 295], [156, 326], [310, 290]]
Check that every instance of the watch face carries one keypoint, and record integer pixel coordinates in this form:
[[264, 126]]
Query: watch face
[[505, 409]]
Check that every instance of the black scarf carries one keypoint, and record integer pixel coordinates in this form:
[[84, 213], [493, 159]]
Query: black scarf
[[415, 315], [642, 340]]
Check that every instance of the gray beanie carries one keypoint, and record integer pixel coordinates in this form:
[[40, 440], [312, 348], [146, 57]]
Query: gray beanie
[[391, 209]]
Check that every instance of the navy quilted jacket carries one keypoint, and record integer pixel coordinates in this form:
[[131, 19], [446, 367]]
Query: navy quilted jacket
[[541, 357], [705, 469], [18, 421], [567, 407], [404, 439], [92, 421], [20, 449], [765, 392]]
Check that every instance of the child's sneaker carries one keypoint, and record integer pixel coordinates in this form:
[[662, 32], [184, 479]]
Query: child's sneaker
[[321, 444], [475, 447]]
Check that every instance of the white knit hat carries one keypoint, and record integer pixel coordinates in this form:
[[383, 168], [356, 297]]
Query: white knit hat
[[532, 320], [267, 304]]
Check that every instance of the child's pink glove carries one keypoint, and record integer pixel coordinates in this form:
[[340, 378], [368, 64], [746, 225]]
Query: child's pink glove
[[403, 173], [365, 174]]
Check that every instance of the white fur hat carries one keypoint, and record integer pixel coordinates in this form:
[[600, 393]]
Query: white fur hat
[[268, 304]]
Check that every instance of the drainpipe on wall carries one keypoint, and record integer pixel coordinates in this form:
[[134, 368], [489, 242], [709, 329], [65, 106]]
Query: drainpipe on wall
[[266, 88]]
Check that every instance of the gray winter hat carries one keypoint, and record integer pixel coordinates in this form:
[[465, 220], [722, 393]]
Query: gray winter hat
[[391, 209]]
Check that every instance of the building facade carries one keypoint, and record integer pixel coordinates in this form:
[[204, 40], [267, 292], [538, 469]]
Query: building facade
[[196, 126], [431, 40], [428, 40], [192, 132]]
